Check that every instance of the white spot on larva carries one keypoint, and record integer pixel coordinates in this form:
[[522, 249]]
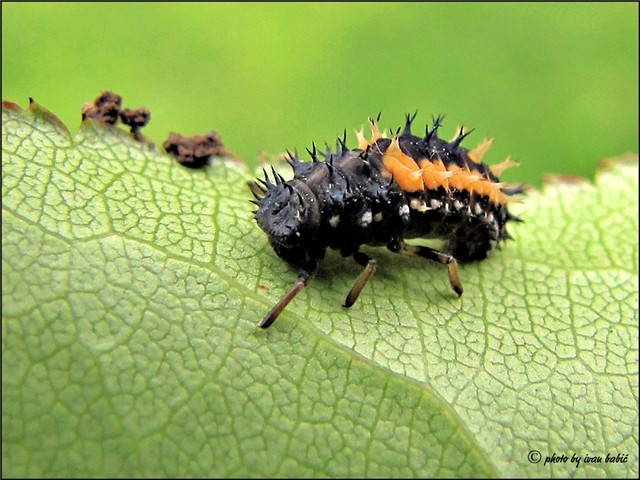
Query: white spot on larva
[[419, 205], [334, 221], [477, 209], [435, 203], [403, 211], [377, 217], [490, 217], [367, 218], [457, 205]]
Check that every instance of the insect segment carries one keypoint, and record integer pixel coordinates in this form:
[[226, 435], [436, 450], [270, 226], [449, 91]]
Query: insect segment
[[379, 194]]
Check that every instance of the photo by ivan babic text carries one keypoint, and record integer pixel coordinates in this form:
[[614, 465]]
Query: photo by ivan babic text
[[536, 457]]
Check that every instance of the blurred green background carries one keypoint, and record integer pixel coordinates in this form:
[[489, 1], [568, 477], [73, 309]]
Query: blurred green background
[[556, 84]]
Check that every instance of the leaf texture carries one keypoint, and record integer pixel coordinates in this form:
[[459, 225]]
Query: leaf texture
[[132, 290]]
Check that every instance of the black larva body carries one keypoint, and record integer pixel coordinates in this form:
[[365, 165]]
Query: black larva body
[[332, 205], [350, 199]]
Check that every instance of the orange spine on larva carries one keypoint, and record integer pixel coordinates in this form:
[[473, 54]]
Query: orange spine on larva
[[477, 153], [501, 167], [403, 168], [376, 135]]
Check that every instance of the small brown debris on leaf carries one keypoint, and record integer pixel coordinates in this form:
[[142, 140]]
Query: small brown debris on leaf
[[195, 151], [105, 109], [136, 119]]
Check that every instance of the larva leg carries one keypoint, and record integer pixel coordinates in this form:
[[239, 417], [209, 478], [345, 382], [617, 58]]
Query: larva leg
[[303, 279], [441, 257], [369, 265]]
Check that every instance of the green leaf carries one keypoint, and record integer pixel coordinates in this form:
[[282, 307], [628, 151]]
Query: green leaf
[[132, 291]]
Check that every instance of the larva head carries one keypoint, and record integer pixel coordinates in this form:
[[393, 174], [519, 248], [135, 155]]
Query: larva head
[[289, 215]]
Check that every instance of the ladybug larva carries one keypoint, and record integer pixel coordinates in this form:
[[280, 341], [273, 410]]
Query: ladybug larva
[[381, 193]]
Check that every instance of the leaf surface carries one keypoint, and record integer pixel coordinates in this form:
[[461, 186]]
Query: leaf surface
[[132, 290]]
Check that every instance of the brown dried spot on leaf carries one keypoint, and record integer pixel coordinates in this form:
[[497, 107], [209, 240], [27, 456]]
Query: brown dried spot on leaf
[[195, 151], [105, 109], [136, 119]]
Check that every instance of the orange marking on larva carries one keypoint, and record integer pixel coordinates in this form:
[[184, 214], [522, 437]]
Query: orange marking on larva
[[457, 178], [430, 176], [501, 167], [469, 181], [404, 169], [464, 180], [434, 174], [477, 153], [425, 174], [497, 196]]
